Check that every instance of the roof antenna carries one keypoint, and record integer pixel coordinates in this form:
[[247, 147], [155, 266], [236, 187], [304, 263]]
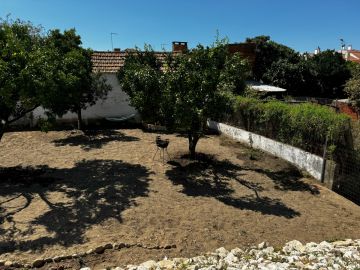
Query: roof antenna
[[111, 35], [163, 46], [342, 44]]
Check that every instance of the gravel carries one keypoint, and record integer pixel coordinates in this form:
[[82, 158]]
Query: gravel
[[293, 255]]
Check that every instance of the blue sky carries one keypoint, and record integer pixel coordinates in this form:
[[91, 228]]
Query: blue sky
[[302, 25]]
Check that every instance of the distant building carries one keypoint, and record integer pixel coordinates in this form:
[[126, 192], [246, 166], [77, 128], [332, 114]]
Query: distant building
[[350, 54]]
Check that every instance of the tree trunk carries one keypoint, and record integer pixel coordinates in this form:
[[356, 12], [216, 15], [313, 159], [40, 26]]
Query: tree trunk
[[193, 139], [79, 121]]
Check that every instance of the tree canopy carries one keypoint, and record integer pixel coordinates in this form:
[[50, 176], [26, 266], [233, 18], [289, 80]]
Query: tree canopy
[[51, 71], [77, 86], [187, 89], [320, 75], [25, 70], [352, 87]]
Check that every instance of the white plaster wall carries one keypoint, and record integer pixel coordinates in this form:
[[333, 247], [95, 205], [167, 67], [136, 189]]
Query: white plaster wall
[[300, 158], [115, 105]]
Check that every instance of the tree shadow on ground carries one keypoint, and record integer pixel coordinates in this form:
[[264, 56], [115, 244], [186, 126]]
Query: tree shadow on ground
[[95, 139], [285, 176], [210, 177], [91, 192], [288, 179]]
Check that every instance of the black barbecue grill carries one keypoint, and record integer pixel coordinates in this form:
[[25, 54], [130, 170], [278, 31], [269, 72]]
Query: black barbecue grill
[[161, 145]]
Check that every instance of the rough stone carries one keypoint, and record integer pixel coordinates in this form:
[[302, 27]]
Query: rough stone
[[99, 249], [8, 263], [108, 246], [57, 258], [90, 251], [38, 263], [166, 264], [222, 252], [48, 260], [345, 243], [149, 264], [292, 246], [263, 245]]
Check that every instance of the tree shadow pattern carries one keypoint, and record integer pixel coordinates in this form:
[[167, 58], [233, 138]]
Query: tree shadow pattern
[[210, 177], [95, 139], [96, 190]]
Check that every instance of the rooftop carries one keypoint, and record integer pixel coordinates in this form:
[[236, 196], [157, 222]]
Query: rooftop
[[112, 61]]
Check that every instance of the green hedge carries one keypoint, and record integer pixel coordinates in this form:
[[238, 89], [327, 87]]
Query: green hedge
[[302, 125]]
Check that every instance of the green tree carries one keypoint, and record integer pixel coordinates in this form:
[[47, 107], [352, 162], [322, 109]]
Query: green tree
[[352, 86], [191, 88], [331, 73], [269, 52], [140, 78], [77, 86], [25, 70]]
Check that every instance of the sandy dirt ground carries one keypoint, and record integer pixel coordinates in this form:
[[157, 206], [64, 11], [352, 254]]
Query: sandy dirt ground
[[65, 192]]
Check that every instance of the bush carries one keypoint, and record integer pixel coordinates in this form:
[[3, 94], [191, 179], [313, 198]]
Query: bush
[[302, 125]]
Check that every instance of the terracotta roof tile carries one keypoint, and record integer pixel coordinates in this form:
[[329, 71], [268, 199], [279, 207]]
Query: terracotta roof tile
[[354, 55], [111, 62]]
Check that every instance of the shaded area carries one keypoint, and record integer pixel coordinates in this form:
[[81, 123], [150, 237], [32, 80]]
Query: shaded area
[[210, 177], [95, 139], [288, 179], [89, 193]]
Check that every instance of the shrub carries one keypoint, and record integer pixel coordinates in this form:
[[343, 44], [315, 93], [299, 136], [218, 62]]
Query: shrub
[[302, 125]]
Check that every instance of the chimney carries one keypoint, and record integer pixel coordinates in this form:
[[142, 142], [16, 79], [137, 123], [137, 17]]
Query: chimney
[[179, 46], [349, 47]]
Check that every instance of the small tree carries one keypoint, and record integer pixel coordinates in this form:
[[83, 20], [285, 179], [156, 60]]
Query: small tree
[[352, 87], [25, 70], [140, 78], [78, 87], [269, 52], [194, 87], [331, 73]]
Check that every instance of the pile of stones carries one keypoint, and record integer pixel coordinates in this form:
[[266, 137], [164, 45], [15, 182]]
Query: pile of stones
[[293, 255]]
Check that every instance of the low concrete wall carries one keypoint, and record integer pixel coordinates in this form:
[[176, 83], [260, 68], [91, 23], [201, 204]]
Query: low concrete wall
[[300, 158]]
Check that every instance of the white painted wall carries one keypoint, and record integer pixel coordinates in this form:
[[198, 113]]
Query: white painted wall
[[300, 158], [115, 105]]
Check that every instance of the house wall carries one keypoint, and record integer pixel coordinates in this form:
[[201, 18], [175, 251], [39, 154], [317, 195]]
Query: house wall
[[115, 105]]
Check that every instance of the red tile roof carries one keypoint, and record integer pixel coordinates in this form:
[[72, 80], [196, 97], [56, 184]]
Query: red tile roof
[[354, 56], [111, 62]]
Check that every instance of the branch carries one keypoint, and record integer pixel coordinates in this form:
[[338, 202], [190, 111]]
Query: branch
[[22, 115]]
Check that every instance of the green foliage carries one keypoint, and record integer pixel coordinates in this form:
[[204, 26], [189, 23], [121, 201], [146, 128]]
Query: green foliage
[[269, 52], [20, 44], [141, 79], [352, 87], [189, 89], [321, 75], [51, 71], [76, 86], [302, 125], [331, 72]]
